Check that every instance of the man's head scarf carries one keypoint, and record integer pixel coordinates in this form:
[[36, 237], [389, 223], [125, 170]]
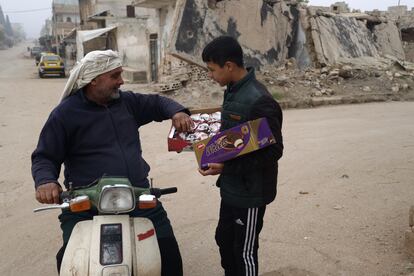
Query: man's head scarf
[[95, 63]]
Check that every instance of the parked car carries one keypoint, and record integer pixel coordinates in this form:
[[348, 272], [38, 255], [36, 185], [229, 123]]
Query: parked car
[[51, 64], [36, 50], [38, 56]]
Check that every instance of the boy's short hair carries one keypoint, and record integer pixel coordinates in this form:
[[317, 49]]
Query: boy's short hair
[[223, 49]]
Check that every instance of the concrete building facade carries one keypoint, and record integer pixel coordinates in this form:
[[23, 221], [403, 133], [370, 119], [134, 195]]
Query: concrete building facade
[[65, 17], [134, 27]]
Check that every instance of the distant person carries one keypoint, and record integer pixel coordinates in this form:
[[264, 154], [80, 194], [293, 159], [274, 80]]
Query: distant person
[[94, 132], [247, 183]]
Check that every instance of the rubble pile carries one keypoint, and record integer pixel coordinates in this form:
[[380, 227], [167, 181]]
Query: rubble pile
[[371, 80], [178, 74], [389, 78]]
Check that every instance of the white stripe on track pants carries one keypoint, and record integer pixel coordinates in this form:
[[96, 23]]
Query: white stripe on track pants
[[237, 236]]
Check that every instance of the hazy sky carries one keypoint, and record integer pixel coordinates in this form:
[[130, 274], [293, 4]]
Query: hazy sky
[[29, 14], [33, 19]]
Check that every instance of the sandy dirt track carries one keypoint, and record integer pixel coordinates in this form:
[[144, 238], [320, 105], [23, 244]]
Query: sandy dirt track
[[345, 187]]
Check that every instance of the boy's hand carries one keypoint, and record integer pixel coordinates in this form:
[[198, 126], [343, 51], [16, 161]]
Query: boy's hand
[[212, 169]]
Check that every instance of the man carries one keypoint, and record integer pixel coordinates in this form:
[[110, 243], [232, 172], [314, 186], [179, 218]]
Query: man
[[247, 183], [94, 132]]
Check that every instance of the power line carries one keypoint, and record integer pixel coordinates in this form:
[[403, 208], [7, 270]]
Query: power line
[[25, 11]]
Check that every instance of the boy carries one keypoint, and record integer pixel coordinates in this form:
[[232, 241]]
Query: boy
[[247, 183]]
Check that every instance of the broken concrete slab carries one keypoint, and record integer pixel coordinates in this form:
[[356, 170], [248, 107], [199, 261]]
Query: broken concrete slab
[[263, 29], [339, 37], [388, 41]]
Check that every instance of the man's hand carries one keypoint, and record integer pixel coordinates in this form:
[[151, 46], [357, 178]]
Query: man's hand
[[48, 193], [182, 122], [213, 169]]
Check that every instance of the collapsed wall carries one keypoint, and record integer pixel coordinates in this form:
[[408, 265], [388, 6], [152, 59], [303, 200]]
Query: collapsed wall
[[273, 31], [406, 24], [263, 28], [388, 40], [339, 37]]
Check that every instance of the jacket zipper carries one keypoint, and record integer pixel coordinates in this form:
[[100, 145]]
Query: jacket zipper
[[118, 141]]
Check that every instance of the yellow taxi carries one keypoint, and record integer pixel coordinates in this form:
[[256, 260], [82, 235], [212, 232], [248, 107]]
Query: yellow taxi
[[51, 64]]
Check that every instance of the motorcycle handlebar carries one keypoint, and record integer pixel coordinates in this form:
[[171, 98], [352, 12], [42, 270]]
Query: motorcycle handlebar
[[169, 190], [65, 196], [159, 192]]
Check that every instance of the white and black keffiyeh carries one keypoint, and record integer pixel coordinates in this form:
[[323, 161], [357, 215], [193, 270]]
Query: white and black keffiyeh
[[92, 65]]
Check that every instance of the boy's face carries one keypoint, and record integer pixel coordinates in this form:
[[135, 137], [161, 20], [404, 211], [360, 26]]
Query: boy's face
[[221, 75]]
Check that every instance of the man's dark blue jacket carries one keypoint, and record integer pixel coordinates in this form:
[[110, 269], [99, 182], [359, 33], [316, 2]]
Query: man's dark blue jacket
[[93, 140]]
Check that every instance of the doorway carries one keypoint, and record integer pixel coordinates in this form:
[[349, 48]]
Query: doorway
[[154, 56]]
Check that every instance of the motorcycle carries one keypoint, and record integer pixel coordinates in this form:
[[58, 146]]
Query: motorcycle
[[113, 243]]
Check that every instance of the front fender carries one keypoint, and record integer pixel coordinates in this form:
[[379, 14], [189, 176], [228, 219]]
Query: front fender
[[76, 258], [147, 259], [139, 248]]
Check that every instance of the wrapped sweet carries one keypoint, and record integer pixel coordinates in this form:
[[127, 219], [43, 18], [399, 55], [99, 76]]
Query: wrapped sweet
[[192, 137], [196, 117], [214, 127], [205, 117], [216, 116], [203, 127], [201, 136]]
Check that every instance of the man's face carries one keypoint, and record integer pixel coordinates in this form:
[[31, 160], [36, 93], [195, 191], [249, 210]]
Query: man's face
[[106, 86], [222, 75]]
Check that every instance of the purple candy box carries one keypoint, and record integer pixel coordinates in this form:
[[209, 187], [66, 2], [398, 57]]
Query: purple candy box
[[234, 142]]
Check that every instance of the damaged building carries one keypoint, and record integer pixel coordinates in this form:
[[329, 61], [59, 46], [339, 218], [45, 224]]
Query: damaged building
[[340, 37], [65, 17], [274, 31], [405, 22], [119, 26], [162, 41]]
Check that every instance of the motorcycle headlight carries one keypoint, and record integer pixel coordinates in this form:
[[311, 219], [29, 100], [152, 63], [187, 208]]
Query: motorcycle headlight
[[116, 199]]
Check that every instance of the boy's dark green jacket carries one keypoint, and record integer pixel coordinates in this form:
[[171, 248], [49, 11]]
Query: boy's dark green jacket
[[250, 180]]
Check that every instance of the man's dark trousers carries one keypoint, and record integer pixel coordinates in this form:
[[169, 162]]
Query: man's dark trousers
[[237, 236]]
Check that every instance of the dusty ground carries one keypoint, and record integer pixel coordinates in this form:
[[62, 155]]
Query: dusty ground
[[345, 186]]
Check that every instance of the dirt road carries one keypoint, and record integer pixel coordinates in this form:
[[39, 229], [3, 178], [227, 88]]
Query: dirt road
[[345, 186]]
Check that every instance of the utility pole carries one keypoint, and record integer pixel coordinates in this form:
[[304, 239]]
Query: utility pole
[[399, 2]]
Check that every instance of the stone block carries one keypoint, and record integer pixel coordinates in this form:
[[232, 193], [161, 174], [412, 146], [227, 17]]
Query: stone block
[[165, 87], [134, 76]]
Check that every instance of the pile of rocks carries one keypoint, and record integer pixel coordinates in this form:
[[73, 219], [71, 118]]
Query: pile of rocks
[[340, 79], [351, 81]]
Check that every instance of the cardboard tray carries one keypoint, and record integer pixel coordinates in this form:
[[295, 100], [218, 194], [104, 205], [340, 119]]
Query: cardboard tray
[[176, 143]]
